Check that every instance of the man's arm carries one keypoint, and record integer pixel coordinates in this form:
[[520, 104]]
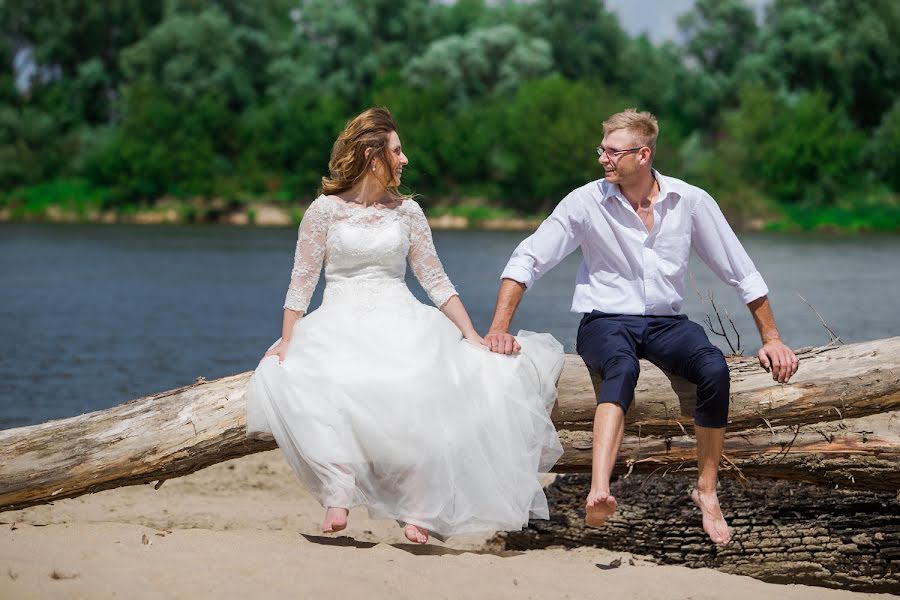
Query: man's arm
[[774, 356], [498, 338], [718, 246], [557, 237]]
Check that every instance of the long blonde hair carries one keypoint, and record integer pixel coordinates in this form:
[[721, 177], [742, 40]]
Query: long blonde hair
[[347, 167]]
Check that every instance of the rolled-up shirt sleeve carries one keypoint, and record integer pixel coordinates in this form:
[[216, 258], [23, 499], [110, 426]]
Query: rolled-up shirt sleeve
[[557, 237], [718, 246]]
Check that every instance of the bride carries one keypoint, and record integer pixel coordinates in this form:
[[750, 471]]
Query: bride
[[379, 400]]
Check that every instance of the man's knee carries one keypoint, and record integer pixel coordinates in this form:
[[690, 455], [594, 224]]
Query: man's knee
[[621, 365], [713, 386], [713, 370], [619, 374]]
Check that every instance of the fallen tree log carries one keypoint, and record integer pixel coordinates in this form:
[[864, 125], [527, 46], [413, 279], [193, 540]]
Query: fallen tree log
[[180, 431]]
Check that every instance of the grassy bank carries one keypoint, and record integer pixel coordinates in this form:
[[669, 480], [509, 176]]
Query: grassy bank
[[874, 212], [77, 201]]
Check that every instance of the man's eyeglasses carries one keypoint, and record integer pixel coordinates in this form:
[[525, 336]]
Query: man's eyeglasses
[[612, 153]]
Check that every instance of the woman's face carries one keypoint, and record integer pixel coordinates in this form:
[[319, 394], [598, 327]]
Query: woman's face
[[397, 160]]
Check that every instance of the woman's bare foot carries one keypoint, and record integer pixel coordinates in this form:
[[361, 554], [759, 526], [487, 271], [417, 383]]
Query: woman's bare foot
[[600, 506], [416, 534], [335, 520], [713, 521]]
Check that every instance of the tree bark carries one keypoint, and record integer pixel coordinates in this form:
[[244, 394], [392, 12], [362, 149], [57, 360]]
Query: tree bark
[[180, 431], [783, 532]]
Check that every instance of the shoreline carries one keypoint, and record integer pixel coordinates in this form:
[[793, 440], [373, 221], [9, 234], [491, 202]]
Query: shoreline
[[465, 215], [251, 215]]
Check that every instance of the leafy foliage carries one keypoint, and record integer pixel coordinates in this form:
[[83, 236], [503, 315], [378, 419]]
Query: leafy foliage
[[792, 113]]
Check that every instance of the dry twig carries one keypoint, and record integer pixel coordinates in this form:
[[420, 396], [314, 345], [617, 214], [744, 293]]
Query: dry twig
[[835, 338], [735, 347]]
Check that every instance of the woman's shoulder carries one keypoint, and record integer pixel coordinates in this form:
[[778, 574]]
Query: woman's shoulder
[[323, 204], [319, 211], [410, 207]]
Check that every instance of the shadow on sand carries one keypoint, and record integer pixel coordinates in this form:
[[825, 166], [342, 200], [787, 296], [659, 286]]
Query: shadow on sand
[[429, 549]]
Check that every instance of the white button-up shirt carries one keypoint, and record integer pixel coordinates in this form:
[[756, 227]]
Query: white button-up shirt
[[626, 269]]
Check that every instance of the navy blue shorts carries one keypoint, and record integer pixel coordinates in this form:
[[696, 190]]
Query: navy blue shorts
[[611, 346]]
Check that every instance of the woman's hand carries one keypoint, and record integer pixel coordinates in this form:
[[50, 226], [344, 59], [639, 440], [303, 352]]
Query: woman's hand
[[475, 338], [279, 350]]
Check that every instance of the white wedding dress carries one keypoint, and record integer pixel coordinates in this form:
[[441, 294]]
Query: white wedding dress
[[381, 402]]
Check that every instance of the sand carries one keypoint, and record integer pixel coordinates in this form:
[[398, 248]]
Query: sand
[[246, 529]]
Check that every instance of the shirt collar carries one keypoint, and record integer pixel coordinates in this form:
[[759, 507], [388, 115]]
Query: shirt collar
[[611, 190]]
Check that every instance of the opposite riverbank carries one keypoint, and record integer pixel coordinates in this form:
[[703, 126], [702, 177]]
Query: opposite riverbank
[[75, 201], [470, 214]]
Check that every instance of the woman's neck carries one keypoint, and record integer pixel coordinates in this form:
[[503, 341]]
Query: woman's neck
[[366, 192]]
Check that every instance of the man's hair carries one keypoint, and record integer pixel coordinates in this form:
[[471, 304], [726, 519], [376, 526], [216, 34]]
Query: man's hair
[[642, 124]]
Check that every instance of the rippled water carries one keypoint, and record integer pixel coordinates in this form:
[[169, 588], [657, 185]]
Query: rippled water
[[92, 316]]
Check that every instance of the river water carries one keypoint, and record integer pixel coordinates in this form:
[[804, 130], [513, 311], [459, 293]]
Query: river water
[[93, 315]]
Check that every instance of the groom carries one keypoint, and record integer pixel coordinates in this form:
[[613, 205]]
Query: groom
[[636, 229]]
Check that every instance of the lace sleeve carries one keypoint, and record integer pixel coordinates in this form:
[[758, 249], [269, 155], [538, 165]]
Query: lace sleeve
[[423, 258], [308, 257]]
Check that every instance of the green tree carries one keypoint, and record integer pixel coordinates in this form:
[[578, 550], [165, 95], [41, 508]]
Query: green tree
[[161, 147], [720, 35], [74, 46], [30, 149], [663, 85], [458, 18], [586, 39], [286, 144], [8, 92], [799, 146], [846, 47], [341, 48], [189, 56], [481, 63], [425, 129], [882, 148], [553, 127]]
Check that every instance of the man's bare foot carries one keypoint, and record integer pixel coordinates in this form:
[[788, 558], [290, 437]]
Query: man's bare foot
[[713, 521], [600, 506], [416, 534], [335, 520]]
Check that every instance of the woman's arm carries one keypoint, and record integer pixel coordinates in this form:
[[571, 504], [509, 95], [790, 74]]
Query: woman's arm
[[424, 261], [456, 312], [308, 258], [287, 329]]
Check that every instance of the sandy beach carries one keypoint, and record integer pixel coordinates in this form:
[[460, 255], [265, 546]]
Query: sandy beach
[[246, 528]]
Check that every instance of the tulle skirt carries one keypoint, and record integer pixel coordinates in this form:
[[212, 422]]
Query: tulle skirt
[[382, 403]]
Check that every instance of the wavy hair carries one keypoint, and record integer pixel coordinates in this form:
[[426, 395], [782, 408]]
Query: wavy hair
[[347, 167]]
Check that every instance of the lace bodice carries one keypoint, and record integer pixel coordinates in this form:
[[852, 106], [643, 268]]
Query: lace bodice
[[359, 245]]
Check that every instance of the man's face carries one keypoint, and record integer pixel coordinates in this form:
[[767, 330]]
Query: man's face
[[618, 166]]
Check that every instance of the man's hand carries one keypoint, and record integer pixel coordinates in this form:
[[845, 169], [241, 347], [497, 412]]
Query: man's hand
[[501, 342], [779, 359]]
